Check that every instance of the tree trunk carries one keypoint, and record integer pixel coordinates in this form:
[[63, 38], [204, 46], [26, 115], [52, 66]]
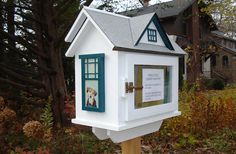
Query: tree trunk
[[58, 87], [195, 61], [54, 82]]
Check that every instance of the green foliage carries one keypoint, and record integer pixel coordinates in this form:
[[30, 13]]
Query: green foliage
[[47, 116], [221, 141], [222, 11], [187, 140]]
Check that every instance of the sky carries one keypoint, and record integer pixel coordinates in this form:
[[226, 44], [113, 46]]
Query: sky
[[157, 1], [126, 4]]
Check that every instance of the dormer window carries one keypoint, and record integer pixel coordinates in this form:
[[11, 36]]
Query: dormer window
[[152, 35]]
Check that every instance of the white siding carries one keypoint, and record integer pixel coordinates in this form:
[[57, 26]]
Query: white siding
[[91, 42], [130, 117]]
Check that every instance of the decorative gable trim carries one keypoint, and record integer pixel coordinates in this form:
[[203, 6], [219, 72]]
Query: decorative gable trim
[[161, 31]]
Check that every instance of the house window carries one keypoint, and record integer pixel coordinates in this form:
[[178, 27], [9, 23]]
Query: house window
[[225, 61], [152, 35], [93, 91], [230, 44], [213, 61], [224, 42]]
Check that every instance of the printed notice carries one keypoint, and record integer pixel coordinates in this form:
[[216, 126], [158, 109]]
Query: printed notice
[[153, 85]]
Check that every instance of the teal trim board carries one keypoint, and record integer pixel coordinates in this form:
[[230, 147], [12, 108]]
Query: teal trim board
[[93, 82], [161, 31]]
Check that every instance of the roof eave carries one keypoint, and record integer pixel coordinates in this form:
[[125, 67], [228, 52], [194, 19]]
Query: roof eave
[[125, 49], [76, 26]]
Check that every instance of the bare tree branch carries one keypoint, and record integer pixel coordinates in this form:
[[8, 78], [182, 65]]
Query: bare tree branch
[[23, 87], [24, 43], [22, 78]]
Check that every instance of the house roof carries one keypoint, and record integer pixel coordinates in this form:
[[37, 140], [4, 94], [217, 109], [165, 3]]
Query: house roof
[[220, 34], [163, 10], [123, 32]]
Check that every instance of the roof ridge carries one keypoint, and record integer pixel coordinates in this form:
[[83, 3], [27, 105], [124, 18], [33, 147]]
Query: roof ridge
[[105, 12], [131, 30]]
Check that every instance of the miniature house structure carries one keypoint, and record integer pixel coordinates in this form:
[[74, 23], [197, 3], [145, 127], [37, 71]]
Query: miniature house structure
[[126, 73]]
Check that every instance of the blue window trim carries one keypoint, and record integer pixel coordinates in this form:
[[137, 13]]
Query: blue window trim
[[152, 35], [100, 78]]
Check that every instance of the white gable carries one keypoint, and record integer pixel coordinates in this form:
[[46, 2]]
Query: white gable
[[89, 39], [144, 38]]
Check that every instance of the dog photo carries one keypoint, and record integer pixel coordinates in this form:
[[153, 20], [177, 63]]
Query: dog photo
[[91, 94], [91, 88]]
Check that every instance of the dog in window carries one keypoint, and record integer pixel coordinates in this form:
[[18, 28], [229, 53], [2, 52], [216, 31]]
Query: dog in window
[[91, 94]]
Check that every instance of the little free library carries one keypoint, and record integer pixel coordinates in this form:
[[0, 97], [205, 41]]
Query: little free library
[[126, 73]]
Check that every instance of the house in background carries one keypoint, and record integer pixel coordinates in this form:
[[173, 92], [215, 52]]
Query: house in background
[[222, 62], [218, 51]]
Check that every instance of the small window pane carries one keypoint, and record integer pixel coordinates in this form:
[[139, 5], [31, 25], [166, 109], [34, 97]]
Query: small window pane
[[97, 68], [85, 60], [86, 69], [91, 75], [91, 68], [91, 60]]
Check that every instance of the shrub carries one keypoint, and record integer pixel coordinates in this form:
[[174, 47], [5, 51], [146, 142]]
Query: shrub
[[215, 83], [33, 129], [7, 118], [202, 112]]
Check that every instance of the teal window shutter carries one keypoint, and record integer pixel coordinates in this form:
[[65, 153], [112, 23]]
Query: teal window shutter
[[93, 82], [152, 35]]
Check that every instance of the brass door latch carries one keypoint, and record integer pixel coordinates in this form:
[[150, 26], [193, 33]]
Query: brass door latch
[[129, 87]]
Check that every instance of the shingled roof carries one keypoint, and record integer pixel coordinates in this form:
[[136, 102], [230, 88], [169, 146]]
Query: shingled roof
[[123, 32], [163, 10]]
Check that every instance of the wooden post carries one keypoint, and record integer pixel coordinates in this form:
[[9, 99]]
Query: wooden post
[[132, 146]]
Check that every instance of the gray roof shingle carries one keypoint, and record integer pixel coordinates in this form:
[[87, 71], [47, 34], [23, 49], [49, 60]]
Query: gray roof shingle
[[124, 31], [163, 10]]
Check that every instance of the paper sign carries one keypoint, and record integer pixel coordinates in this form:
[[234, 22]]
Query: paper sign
[[153, 85]]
